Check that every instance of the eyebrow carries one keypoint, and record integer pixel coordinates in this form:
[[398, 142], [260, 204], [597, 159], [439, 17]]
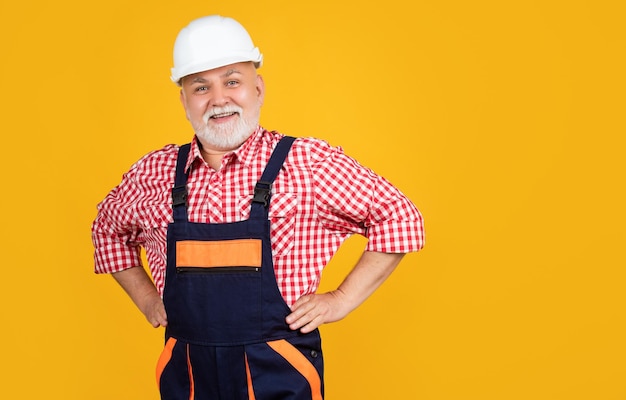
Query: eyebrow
[[232, 71]]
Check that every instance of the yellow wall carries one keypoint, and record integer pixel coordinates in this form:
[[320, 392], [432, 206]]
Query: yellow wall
[[502, 120]]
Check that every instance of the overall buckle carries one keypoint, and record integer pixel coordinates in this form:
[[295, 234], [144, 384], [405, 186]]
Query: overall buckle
[[262, 193], [179, 196]]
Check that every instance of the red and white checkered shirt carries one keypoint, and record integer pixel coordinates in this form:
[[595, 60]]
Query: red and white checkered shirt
[[319, 199]]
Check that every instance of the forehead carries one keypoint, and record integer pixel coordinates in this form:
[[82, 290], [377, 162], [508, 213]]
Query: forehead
[[244, 68]]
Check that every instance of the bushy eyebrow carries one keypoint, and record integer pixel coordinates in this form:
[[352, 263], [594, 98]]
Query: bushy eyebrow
[[232, 71]]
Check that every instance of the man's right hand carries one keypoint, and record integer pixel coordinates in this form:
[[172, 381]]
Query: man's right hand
[[155, 312], [136, 282]]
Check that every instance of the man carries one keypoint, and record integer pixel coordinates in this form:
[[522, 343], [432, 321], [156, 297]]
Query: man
[[237, 227]]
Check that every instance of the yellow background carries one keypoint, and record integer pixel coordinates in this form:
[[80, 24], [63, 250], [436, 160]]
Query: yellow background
[[502, 120]]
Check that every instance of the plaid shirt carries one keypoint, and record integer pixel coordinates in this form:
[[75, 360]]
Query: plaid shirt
[[319, 199]]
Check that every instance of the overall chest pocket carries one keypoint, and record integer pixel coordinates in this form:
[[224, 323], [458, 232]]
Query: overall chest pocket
[[219, 256]]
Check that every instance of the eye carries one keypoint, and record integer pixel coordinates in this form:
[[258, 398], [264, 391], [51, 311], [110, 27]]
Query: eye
[[232, 82], [201, 89]]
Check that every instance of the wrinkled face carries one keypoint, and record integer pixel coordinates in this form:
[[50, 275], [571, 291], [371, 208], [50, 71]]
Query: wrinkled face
[[223, 104]]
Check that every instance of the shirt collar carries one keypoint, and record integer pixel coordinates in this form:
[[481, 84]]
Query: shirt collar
[[244, 153]]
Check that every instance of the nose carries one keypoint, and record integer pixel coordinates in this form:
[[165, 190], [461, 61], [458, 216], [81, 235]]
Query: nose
[[219, 96]]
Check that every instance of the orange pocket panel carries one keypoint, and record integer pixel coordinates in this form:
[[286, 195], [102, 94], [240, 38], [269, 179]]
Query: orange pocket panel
[[301, 364], [219, 253], [164, 358]]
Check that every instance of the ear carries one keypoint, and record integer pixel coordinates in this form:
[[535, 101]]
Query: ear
[[183, 102], [260, 88]]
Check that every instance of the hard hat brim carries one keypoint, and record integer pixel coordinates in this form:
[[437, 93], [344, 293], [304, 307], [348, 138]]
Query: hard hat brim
[[179, 73]]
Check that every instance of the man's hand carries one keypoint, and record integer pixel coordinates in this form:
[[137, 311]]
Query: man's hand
[[141, 290], [313, 310], [154, 310]]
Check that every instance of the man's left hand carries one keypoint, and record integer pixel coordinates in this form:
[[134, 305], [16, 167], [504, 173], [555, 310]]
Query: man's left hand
[[313, 310]]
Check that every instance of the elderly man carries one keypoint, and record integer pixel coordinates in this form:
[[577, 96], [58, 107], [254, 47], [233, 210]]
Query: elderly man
[[237, 227]]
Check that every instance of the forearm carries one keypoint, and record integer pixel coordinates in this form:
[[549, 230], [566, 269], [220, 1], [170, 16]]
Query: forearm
[[140, 288], [312, 310], [372, 269]]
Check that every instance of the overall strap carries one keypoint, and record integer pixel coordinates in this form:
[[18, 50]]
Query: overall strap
[[179, 191], [263, 188]]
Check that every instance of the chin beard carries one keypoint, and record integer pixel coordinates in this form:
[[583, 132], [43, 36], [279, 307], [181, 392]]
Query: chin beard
[[228, 136]]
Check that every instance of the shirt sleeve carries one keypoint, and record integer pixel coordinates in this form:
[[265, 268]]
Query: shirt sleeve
[[118, 229], [352, 198], [114, 231]]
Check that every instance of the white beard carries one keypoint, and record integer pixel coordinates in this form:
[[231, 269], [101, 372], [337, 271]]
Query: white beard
[[227, 136]]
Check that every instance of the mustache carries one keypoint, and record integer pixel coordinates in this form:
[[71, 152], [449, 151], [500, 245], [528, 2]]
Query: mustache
[[229, 109]]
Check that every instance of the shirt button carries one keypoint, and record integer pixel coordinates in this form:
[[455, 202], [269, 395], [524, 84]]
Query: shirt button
[[313, 353]]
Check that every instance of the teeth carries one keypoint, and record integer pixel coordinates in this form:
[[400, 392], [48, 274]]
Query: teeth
[[223, 115]]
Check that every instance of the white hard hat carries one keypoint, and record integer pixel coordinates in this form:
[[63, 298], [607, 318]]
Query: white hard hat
[[212, 42]]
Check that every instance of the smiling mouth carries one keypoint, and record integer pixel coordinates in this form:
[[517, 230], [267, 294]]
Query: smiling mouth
[[223, 115]]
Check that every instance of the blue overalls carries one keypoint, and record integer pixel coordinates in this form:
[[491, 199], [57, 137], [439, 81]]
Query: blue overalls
[[227, 338]]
